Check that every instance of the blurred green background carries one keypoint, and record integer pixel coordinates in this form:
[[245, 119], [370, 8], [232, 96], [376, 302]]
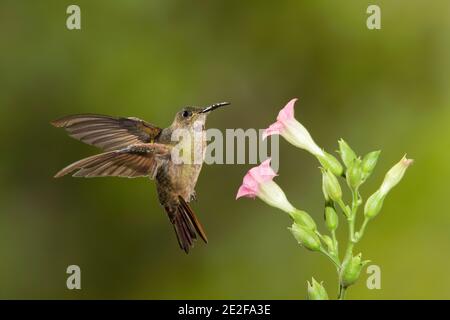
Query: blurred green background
[[385, 89]]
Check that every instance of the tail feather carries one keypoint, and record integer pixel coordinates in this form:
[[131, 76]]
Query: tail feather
[[197, 225], [186, 225]]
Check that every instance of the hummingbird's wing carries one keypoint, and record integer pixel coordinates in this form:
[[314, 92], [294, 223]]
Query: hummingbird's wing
[[139, 160], [106, 132]]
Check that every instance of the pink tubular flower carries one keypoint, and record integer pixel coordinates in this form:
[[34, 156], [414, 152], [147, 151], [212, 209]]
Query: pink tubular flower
[[293, 131], [258, 182], [254, 177]]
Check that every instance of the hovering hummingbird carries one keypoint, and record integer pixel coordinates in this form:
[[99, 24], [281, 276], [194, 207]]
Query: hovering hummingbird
[[135, 148]]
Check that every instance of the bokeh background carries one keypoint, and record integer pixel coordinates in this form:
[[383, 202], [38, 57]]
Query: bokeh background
[[385, 89]]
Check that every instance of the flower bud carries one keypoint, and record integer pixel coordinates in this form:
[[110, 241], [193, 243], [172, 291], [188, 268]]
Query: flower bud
[[347, 154], [352, 270], [354, 174], [369, 162], [329, 162], [394, 175], [304, 219], [305, 237], [329, 243], [331, 185], [316, 291], [373, 205], [325, 194], [331, 218]]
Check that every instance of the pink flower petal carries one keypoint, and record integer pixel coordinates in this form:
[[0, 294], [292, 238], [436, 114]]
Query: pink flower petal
[[263, 172], [250, 182], [249, 187], [245, 192], [274, 128], [254, 177], [287, 113]]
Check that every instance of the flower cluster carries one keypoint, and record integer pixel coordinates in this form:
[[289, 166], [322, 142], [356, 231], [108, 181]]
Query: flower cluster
[[258, 182]]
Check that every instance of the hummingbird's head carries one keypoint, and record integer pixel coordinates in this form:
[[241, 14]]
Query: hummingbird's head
[[188, 116]]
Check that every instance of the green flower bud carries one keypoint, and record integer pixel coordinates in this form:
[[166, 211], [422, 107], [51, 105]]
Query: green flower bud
[[305, 237], [352, 270], [329, 243], [369, 162], [373, 205], [325, 194], [316, 291], [354, 174], [329, 162], [304, 219], [331, 185], [331, 218], [347, 154]]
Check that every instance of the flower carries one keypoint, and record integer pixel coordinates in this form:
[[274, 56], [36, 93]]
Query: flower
[[258, 182], [394, 175], [292, 130], [296, 134]]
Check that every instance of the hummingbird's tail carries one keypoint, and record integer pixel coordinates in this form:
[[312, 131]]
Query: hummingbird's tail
[[186, 225]]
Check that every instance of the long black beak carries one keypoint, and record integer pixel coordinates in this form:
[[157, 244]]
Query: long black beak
[[214, 106]]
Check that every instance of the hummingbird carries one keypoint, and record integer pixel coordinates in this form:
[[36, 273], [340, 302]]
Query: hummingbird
[[136, 148]]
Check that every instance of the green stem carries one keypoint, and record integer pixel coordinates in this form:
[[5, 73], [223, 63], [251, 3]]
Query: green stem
[[334, 257], [351, 214], [363, 229], [347, 257], [344, 208], [335, 260], [342, 291], [335, 243]]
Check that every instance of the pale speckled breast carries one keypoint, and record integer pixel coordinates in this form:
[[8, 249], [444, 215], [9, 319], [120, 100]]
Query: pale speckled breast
[[174, 180], [179, 179], [184, 178]]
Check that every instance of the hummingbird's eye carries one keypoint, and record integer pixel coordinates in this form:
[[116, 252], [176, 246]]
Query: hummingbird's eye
[[186, 114]]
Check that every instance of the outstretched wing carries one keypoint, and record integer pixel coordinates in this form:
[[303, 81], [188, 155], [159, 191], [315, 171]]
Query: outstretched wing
[[138, 160], [106, 132]]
